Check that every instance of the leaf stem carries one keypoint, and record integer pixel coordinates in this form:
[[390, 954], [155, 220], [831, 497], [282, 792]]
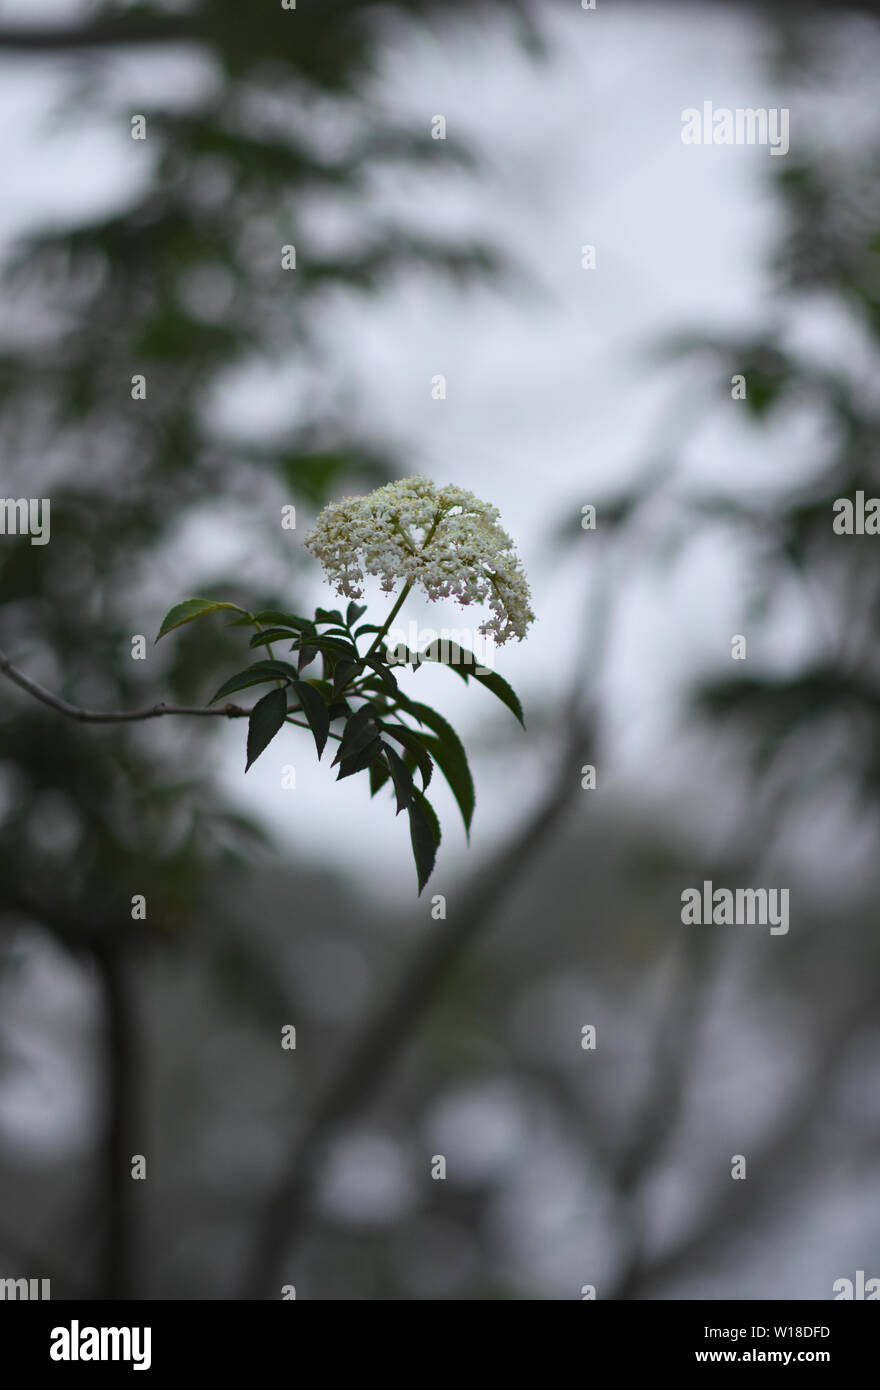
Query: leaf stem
[[300, 724], [260, 628]]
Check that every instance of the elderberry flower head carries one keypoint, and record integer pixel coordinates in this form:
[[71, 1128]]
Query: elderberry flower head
[[443, 538]]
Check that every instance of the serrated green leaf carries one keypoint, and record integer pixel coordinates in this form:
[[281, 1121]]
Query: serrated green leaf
[[271, 634], [379, 774], [449, 754], [403, 781], [424, 833], [316, 712], [504, 692], [360, 730], [354, 611], [188, 610], [372, 685], [266, 718], [453, 764], [378, 665], [345, 671], [414, 744], [465, 664], [274, 617], [307, 655], [356, 762], [256, 674], [324, 688], [329, 615], [333, 646]]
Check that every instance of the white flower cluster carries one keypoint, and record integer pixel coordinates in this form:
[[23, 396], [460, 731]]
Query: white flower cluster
[[443, 538]]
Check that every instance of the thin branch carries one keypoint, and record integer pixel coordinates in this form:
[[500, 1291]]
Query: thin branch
[[103, 33], [91, 716]]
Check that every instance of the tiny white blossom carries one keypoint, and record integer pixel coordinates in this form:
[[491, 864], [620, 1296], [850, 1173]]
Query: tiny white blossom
[[443, 538]]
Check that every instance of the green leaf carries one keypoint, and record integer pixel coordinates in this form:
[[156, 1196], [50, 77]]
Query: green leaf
[[367, 627], [414, 744], [306, 657], [505, 693], [403, 781], [465, 664], [315, 711], [256, 674], [328, 615], [424, 833], [379, 774], [372, 685], [345, 671], [452, 762], [385, 676], [332, 646], [354, 611], [267, 717], [188, 610], [448, 752], [360, 730], [356, 762], [271, 634], [324, 688], [275, 618]]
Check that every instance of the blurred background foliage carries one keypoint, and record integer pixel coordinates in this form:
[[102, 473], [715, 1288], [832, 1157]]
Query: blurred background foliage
[[571, 1167]]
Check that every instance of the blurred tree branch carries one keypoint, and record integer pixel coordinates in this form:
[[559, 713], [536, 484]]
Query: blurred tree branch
[[115, 1275], [372, 1052], [103, 33], [111, 31], [736, 1205]]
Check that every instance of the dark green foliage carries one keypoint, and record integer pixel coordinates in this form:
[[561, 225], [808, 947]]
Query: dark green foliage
[[424, 829], [267, 718], [367, 732]]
